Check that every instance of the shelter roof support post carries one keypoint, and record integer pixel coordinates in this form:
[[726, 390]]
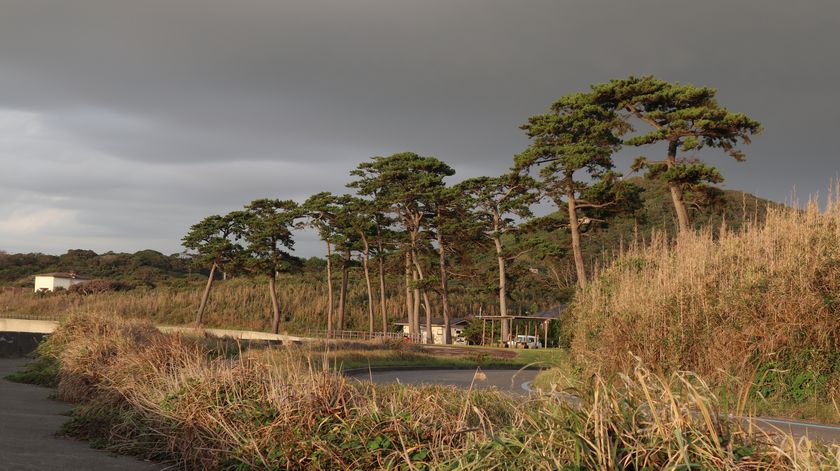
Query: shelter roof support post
[[545, 335]]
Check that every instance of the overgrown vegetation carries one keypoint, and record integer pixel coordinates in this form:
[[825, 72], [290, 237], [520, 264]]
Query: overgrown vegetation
[[758, 306], [181, 399]]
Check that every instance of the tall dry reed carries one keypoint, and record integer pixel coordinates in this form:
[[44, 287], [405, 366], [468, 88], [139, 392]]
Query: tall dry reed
[[761, 305], [238, 303]]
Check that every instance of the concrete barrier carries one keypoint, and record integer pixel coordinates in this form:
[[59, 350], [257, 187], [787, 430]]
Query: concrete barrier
[[236, 334], [27, 326], [47, 327]]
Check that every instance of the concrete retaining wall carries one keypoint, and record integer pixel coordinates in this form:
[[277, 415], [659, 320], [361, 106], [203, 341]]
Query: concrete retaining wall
[[26, 325], [23, 335]]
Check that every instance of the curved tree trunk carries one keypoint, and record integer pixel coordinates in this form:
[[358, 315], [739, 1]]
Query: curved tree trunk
[[366, 263], [382, 290], [676, 191], [342, 295], [199, 317], [505, 327], [430, 336], [426, 304], [409, 300], [444, 290], [679, 207], [275, 306], [574, 227], [329, 292], [417, 276], [415, 314]]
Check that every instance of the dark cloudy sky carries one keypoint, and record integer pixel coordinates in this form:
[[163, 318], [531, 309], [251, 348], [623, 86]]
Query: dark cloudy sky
[[122, 122]]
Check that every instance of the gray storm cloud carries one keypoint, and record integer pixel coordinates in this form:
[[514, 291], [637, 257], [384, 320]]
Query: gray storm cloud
[[121, 123]]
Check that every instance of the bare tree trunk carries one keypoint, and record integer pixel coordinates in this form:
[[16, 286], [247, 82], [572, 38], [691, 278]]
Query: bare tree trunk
[[342, 296], [415, 312], [574, 227], [444, 290], [199, 317], [275, 306], [329, 292], [556, 276], [676, 190], [505, 327], [409, 300], [382, 289], [430, 336], [365, 263], [417, 276], [426, 303]]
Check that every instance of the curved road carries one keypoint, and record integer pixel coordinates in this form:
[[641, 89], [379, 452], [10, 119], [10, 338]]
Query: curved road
[[518, 382], [28, 423]]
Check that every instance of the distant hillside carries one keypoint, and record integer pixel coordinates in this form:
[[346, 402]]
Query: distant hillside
[[709, 208], [146, 267]]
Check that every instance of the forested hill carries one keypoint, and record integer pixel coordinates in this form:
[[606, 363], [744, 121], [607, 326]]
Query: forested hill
[[146, 267], [150, 268]]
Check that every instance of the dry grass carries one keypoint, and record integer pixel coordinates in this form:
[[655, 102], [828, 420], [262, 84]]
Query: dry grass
[[760, 306], [185, 400], [240, 303]]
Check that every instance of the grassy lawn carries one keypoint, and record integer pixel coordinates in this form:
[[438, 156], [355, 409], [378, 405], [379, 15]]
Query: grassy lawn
[[353, 355], [462, 357]]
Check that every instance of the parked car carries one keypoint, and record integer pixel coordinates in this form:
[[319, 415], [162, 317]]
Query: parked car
[[525, 341], [461, 341]]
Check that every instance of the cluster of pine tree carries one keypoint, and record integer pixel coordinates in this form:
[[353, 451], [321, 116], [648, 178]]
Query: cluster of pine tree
[[406, 220]]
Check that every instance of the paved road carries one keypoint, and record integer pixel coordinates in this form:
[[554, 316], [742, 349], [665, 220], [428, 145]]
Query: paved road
[[28, 422], [825, 433], [505, 380], [518, 382]]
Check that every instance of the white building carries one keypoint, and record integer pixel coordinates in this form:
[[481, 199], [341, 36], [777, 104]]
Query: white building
[[456, 328], [53, 281]]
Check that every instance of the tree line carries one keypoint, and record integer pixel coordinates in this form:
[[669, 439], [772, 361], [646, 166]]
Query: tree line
[[145, 268], [404, 218]]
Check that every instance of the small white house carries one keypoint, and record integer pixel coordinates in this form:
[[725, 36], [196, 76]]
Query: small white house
[[456, 328], [53, 281]]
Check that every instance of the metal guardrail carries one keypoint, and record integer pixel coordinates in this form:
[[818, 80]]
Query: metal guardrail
[[363, 335]]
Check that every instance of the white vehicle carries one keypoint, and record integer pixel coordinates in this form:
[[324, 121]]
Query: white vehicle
[[525, 341]]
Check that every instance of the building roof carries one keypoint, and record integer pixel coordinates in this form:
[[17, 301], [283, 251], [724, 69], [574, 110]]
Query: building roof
[[60, 274], [553, 313], [438, 321]]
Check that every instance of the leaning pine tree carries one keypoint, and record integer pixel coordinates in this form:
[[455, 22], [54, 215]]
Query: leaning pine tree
[[686, 118], [212, 240], [578, 136], [406, 183], [495, 201], [266, 226], [320, 210]]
